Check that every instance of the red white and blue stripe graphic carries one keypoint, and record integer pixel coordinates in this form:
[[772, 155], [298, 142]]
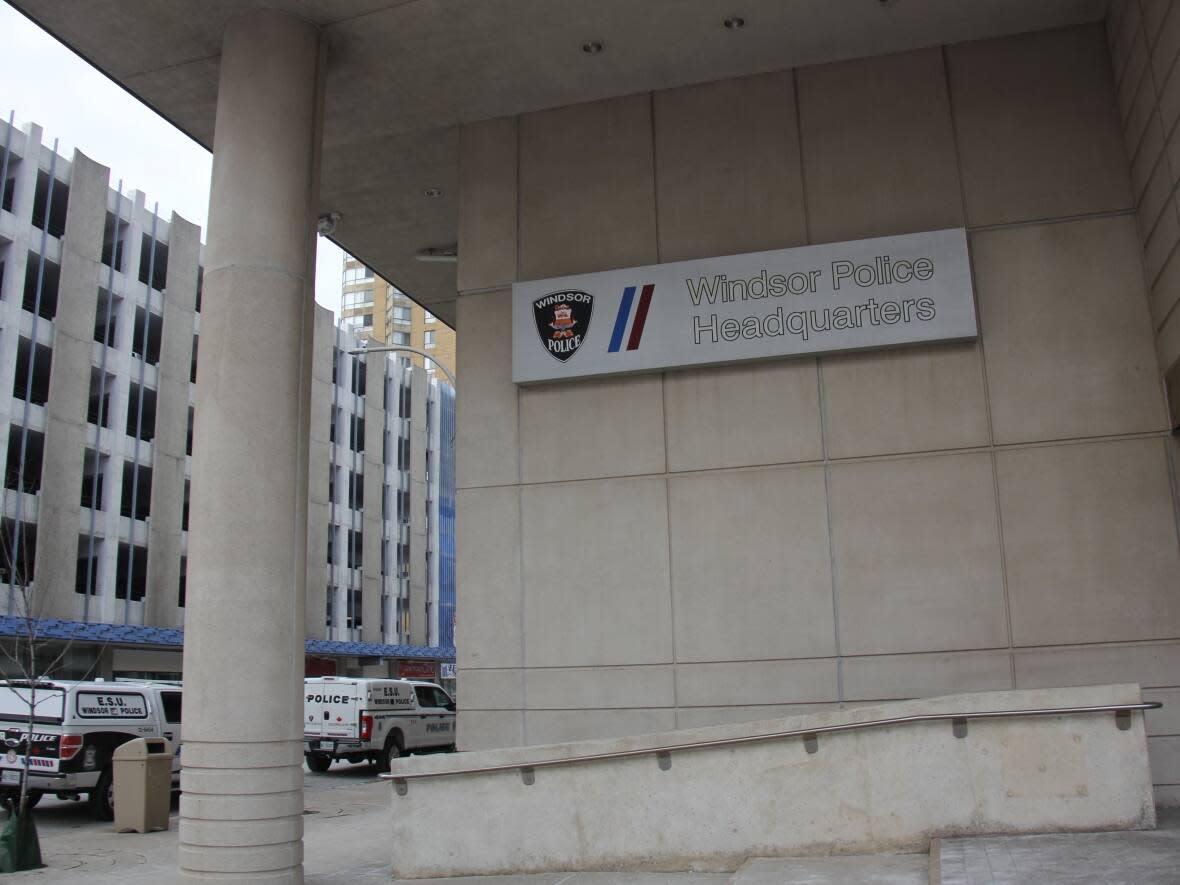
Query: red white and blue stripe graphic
[[624, 317]]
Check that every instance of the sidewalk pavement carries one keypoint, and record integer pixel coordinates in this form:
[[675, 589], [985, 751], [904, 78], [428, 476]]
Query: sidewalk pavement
[[346, 838]]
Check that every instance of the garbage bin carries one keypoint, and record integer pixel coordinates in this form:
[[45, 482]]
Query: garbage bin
[[142, 785]]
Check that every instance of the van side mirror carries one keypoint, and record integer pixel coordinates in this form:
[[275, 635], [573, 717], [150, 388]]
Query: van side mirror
[[451, 706]]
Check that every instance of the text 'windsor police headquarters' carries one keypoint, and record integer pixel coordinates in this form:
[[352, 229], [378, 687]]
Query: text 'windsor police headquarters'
[[883, 271]]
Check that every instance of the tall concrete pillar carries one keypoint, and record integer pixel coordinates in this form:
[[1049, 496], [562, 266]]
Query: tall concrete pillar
[[241, 809]]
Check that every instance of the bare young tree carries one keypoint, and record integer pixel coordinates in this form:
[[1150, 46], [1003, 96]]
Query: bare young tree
[[33, 655]]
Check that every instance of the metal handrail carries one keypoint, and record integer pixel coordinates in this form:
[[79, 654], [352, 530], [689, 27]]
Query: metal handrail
[[959, 720]]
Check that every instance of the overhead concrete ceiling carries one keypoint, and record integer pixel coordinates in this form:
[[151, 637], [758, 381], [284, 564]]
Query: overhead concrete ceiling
[[405, 74]]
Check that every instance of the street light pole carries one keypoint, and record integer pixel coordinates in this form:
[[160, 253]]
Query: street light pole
[[399, 348]]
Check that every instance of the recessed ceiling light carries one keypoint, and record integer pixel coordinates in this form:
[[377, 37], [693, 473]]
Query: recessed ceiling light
[[734, 22], [592, 48], [432, 192]]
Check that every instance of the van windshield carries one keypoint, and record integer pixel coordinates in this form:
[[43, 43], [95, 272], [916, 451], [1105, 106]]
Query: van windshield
[[15, 699]]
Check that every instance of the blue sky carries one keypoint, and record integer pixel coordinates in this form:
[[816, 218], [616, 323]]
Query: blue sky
[[43, 82]]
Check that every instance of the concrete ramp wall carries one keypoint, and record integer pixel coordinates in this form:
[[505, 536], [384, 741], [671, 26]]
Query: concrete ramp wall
[[885, 788]]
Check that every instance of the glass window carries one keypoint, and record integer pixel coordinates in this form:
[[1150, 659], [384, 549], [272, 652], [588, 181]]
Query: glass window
[[429, 696], [428, 339], [357, 274], [401, 314], [402, 338], [429, 318], [359, 298]]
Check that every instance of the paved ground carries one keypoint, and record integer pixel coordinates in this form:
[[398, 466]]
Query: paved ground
[[346, 838], [886, 869], [1135, 858]]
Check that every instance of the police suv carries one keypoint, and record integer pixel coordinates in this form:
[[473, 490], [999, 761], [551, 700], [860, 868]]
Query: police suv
[[76, 728], [374, 719]]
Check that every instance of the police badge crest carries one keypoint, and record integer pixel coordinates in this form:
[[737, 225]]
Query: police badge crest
[[563, 319]]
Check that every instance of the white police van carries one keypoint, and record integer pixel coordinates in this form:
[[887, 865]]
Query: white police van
[[362, 719], [76, 728]]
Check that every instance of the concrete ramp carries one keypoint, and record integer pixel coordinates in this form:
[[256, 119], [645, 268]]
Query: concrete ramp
[[843, 782]]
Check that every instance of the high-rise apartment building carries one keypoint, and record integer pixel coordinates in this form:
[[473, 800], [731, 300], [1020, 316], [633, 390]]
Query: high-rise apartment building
[[100, 320], [376, 310]]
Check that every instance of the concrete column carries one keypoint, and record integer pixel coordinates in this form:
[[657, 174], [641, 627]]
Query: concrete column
[[320, 460], [374, 482], [419, 585], [69, 390], [241, 809], [176, 353]]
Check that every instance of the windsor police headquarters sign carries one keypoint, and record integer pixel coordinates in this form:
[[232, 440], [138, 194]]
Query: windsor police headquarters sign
[[790, 302]]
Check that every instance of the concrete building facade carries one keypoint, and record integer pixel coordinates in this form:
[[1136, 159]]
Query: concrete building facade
[[100, 300], [638, 554], [677, 548]]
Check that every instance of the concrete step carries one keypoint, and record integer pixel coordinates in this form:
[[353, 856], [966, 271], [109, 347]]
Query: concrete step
[[1136, 857], [857, 869]]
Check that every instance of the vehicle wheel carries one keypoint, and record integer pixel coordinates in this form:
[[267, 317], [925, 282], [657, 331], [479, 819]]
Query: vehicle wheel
[[102, 797], [393, 749], [318, 762]]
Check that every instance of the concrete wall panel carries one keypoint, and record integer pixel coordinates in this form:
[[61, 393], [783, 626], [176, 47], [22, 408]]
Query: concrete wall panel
[[559, 726], [1166, 720], [563, 435], [727, 168], [1165, 42], [916, 399], [1090, 542], [701, 717], [1038, 126], [487, 580], [601, 688], [776, 404], [1169, 106], [917, 555], [1150, 664], [1164, 753], [596, 573], [751, 565], [894, 677], [902, 179], [1146, 159], [493, 689], [487, 204], [1166, 291], [587, 188], [486, 450], [487, 729], [1162, 241], [1066, 332], [745, 683]]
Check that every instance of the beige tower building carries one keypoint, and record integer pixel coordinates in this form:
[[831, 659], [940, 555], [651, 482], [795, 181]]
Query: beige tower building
[[374, 309]]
